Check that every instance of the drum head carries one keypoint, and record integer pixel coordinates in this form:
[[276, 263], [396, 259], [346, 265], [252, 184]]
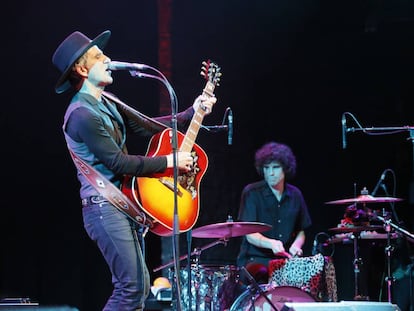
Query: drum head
[[277, 296]]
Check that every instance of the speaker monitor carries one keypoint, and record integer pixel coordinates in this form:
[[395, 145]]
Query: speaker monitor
[[33, 307], [340, 306]]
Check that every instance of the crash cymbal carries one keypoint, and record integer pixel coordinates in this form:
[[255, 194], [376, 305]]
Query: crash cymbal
[[365, 198], [354, 229], [229, 229]]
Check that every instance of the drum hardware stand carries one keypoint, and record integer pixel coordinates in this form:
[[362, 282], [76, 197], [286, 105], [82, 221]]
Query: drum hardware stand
[[388, 252], [258, 289], [197, 251], [388, 224], [357, 262]]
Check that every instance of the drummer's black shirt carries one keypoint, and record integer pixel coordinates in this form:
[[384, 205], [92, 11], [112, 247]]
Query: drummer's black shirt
[[287, 217]]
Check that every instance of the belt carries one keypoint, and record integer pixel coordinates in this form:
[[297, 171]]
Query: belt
[[94, 199]]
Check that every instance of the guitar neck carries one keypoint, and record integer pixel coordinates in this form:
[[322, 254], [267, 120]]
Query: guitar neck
[[196, 121]]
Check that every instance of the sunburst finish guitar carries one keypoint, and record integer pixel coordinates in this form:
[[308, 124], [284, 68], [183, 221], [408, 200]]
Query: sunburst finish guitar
[[155, 194]]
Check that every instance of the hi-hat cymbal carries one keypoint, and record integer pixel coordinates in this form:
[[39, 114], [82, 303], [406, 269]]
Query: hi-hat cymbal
[[229, 229], [354, 229], [365, 198]]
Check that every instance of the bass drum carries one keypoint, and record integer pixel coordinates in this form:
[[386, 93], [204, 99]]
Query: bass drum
[[250, 299]]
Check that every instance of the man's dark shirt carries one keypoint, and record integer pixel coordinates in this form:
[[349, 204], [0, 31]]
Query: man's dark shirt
[[287, 217]]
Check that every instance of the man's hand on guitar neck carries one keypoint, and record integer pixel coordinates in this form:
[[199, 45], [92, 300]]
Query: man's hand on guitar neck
[[184, 160], [205, 102]]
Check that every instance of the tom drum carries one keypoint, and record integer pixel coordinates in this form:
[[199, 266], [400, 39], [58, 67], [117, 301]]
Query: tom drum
[[213, 288]]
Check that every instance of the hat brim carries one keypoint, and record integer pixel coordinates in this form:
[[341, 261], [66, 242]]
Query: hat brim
[[100, 41]]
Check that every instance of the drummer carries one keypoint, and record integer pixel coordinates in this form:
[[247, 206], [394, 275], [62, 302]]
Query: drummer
[[278, 203]]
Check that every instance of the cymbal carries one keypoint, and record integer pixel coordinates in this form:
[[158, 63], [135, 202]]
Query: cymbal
[[229, 229], [355, 229], [365, 198]]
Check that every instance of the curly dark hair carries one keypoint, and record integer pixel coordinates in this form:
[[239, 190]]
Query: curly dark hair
[[278, 152]]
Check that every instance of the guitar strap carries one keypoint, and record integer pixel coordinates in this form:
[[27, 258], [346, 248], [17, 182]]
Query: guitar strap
[[144, 121], [112, 193]]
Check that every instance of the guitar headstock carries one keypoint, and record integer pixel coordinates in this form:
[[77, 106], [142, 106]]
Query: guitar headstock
[[211, 72]]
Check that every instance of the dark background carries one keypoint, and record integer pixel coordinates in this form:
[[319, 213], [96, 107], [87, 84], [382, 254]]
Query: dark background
[[290, 71]]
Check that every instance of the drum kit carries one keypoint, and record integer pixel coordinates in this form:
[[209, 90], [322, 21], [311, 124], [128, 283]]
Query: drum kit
[[356, 232], [212, 288]]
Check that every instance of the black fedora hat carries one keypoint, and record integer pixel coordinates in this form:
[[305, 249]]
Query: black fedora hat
[[69, 51]]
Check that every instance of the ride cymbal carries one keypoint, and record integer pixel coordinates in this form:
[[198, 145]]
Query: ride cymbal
[[365, 198], [229, 229]]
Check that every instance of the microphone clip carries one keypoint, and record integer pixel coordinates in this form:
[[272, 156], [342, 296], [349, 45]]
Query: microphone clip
[[228, 115]]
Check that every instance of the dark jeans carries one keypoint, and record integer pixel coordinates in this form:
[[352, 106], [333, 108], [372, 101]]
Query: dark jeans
[[119, 242]]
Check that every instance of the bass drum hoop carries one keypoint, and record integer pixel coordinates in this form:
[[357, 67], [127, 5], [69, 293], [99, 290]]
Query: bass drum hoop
[[279, 295]]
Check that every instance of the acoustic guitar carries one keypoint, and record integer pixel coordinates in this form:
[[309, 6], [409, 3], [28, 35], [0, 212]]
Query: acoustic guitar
[[155, 194]]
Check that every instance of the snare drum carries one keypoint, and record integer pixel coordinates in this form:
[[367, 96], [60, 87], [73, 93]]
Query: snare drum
[[278, 295], [213, 288]]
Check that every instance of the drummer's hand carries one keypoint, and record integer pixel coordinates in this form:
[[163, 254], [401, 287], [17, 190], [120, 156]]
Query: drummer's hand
[[277, 246], [284, 254], [295, 250]]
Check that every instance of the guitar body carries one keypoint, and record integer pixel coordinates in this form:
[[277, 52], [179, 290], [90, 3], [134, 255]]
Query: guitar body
[[155, 194]]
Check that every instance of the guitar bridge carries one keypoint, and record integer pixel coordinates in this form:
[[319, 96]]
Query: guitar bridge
[[170, 185]]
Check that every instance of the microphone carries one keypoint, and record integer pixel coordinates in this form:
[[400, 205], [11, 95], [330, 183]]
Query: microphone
[[379, 183], [230, 127], [343, 131], [384, 187], [114, 65]]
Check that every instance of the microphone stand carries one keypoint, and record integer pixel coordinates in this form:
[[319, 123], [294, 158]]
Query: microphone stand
[[174, 145], [388, 130], [189, 238], [387, 222], [393, 129], [221, 127]]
